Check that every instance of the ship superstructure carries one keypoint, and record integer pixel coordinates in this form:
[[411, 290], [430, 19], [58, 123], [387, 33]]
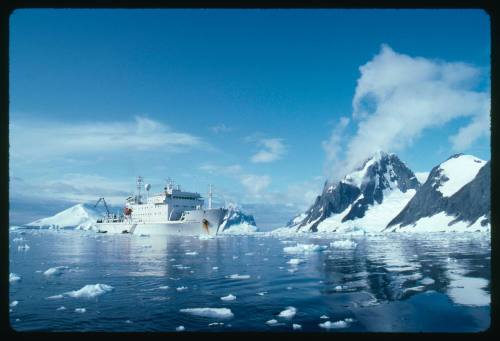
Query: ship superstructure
[[172, 211]]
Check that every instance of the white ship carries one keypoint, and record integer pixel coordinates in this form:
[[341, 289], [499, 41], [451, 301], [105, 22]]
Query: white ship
[[171, 212]]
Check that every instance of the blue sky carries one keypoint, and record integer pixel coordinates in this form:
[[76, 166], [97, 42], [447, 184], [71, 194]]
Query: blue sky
[[264, 104]]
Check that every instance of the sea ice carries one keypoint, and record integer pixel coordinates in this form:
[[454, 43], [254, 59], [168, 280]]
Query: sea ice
[[90, 291], [55, 271], [236, 276], [302, 248], [181, 288], [216, 324], [163, 287], [220, 313], [180, 329], [338, 288], [296, 326], [229, 297], [215, 268], [295, 261], [427, 281], [333, 325], [20, 239], [343, 244], [61, 308], [288, 313], [324, 317], [80, 310], [14, 277], [193, 253], [24, 247], [272, 322], [55, 297], [262, 293], [13, 304]]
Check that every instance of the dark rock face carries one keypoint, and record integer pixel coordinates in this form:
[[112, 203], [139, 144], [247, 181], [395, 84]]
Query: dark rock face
[[381, 172], [472, 201]]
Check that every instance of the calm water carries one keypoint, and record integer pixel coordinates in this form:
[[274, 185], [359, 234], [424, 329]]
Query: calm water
[[397, 282]]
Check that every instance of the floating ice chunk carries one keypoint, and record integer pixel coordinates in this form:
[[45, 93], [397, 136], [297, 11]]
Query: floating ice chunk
[[17, 240], [128, 321], [180, 329], [80, 310], [427, 281], [55, 271], [292, 270], [24, 247], [288, 313], [90, 291], [215, 268], [348, 320], [216, 324], [324, 317], [338, 288], [333, 325], [192, 253], [236, 276], [163, 287], [181, 288], [55, 297], [219, 313], [262, 293], [229, 297], [272, 322], [296, 326], [235, 257], [61, 308], [249, 254], [13, 304], [289, 288], [206, 236], [295, 261], [303, 248], [14, 277], [343, 244]]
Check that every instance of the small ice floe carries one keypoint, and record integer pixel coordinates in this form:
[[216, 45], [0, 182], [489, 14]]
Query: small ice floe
[[14, 277], [80, 310], [343, 244], [181, 288], [61, 308], [325, 317], [172, 259], [192, 253], [272, 322], [333, 325], [296, 326], [163, 287], [24, 247], [289, 288], [13, 304], [427, 281], [90, 291], [235, 257], [288, 313], [18, 240], [295, 261], [55, 271], [215, 268], [182, 267], [55, 297], [303, 248], [216, 324], [218, 313], [180, 329], [338, 288], [262, 293], [265, 259], [292, 270], [229, 297], [237, 276], [128, 321], [287, 242], [206, 236], [249, 254]]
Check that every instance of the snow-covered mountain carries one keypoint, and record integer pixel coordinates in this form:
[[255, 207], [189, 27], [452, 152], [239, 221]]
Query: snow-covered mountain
[[455, 197], [368, 198], [80, 216], [237, 222]]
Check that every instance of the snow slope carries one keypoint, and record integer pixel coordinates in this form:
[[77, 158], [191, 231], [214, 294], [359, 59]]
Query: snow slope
[[456, 172], [80, 216]]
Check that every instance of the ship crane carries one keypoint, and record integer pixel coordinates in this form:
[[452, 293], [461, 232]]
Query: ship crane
[[105, 205]]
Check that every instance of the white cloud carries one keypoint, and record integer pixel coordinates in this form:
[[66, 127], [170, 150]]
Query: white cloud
[[255, 184], [37, 139], [397, 97], [273, 149]]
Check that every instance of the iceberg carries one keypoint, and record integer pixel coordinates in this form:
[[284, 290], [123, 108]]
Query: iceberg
[[55, 271], [14, 277], [288, 313], [229, 297]]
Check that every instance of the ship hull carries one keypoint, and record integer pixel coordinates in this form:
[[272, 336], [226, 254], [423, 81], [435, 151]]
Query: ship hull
[[200, 222]]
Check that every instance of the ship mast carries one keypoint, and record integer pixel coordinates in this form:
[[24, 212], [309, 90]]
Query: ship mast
[[139, 186], [209, 196]]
